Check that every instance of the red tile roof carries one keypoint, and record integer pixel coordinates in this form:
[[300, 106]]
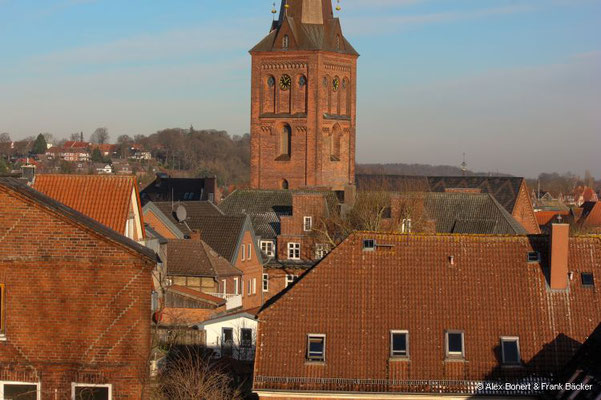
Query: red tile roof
[[544, 217], [489, 290], [197, 294], [592, 213], [107, 199]]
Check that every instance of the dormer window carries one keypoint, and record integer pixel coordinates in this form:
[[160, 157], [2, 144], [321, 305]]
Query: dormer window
[[285, 42]]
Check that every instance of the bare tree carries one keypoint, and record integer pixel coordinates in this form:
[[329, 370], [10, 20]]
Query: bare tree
[[100, 136], [5, 137], [76, 137], [190, 376]]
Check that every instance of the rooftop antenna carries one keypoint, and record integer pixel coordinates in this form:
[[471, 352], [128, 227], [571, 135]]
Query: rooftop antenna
[[463, 165]]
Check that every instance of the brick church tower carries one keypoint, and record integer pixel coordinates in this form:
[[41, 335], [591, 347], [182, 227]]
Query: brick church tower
[[303, 101]]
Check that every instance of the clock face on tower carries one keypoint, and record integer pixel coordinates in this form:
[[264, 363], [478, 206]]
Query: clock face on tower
[[285, 82]]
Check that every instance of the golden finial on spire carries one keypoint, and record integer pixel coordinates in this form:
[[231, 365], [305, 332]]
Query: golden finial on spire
[[274, 11], [286, 5], [338, 8]]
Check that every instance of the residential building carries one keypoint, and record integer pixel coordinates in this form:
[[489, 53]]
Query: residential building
[[232, 237], [113, 201], [193, 264], [75, 302], [303, 101], [232, 334], [431, 314], [590, 218], [284, 222]]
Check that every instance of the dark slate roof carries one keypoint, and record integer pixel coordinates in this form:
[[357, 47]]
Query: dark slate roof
[[195, 210], [504, 189], [470, 213], [186, 257], [222, 233], [317, 30], [265, 207], [177, 189], [23, 189]]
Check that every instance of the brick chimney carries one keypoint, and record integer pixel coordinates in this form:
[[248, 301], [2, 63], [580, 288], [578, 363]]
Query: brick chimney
[[195, 235], [558, 251]]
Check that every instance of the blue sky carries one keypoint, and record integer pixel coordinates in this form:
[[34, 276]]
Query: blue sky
[[515, 84]]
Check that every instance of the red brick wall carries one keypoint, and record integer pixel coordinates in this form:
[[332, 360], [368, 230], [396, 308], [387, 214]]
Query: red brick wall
[[523, 211], [252, 269], [77, 307], [277, 279], [303, 109]]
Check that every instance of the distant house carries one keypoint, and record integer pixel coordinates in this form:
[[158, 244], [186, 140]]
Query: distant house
[[232, 334], [103, 168], [591, 215], [512, 193], [75, 154], [106, 149], [165, 188], [584, 194], [74, 303], [111, 200], [394, 315]]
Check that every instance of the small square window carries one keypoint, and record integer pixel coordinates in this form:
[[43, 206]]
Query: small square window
[[294, 251], [510, 350], [399, 344], [316, 347], [369, 245], [588, 279], [454, 342], [533, 256]]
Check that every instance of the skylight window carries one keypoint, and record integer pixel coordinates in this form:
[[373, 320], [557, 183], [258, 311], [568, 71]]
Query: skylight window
[[533, 257], [369, 245], [399, 344], [455, 344], [510, 349], [316, 348], [588, 279]]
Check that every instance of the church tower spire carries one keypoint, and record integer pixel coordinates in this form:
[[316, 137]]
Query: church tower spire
[[303, 108]]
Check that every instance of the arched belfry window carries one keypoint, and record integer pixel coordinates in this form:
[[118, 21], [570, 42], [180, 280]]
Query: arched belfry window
[[285, 143], [285, 42]]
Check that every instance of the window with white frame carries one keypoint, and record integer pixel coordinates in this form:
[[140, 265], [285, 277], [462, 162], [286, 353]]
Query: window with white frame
[[2, 301], [510, 350], [321, 250], [290, 279], [265, 282], [316, 347], [250, 287], [307, 224], [224, 284], [19, 390], [294, 251], [243, 252], [454, 344], [268, 248], [254, 285], [82, 391], [249, 253], [399, 344], [246, 337], [236, 287]]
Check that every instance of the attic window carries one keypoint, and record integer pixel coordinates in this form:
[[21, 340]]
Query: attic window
[[285, 42], [588, 279], [369, 245], [510, 350], [533, 256], [316, 348]]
